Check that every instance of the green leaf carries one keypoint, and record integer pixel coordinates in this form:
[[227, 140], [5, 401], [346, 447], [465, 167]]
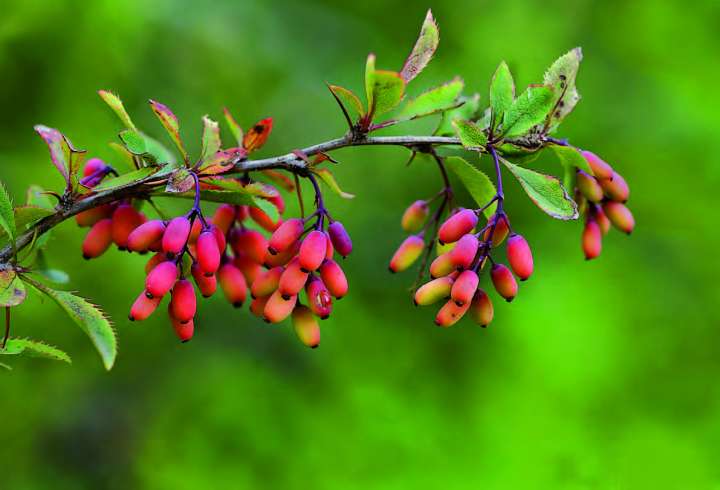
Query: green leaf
[[54, 275], [349, 100], [235, 128], [7, 216], [387, 92], [423, 50], [502, 92], [545, 191], [434, 100], [124, 154], [25, 216], [126, 179], [160, 153], [89, 318], [370, 80], [116, 105], [211, 143], [561, 76], [475, 181], [571, 158], [269, 209], [134, 141], [36, 196], [211, 195], [528, 110], [12, 289], [468, 110], [34, 349], [471, 136], [329, 179], [181, 180], [171, 125]]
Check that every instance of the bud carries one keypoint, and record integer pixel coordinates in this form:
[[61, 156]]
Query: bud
[[464, 252], [261, 218], [334, 278], [620, 216], [415, 216], [184, 331], [250, 242], [91, 216], [257, 305], [464, 287], [433, 291], [319, 298], [520, 256], [176, 235], [450, 313], [98, 239], [457, 225], [616, 189], [601, 170], [154, 260], [233, 284], [206, 285], [125, 219], [292, 279], [602, 220], [312, 251], [500, 232], [266, 283], [143, 307], [145, 235], [504, 282], [286, 235], [306, 326], [340, 238], [590, 187], [407, 253], [591, 240], [442, 265], [277, 308], [161, 279], [481, 308], [250, 269]]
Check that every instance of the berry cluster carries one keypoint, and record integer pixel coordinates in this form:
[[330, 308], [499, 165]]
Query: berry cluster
[[602, 196]]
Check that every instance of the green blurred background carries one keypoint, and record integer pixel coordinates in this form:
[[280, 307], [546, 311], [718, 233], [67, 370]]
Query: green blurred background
[[599, 375]]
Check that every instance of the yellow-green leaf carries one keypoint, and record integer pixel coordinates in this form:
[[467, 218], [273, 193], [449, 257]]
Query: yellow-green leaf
[[475, 181], [468, 111], [433, 101], [387, 92], [211, 143], [34, 349], [329, 179], [7, 216], [116, 105], [528, 110], [471, 136], [12, 289], [126, 179], [349, 100], [423, 50], [235, 128], [502, 92]]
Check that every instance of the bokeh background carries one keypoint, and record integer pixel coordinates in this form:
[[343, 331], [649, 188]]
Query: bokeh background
[[600, 375]]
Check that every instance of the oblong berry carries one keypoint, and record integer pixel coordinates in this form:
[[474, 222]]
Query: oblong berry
[[457, 225], [145, 235], [176, 235], [292, 279], [182, 301], [601, 170], [232, 281], [195, 230], [224, 217], [504, 282], [278, 308], [219, 238], [620, 216], [286, 235], [154, 260], [463, 254], [282, 258], [450, 313], [91, 216], [407, 253], [319, 299], [499, 232], [92, 166], [520, 256], [125, 219], [616, 189], [306, 326], [312, 251], [415, 216], [464, 287], [266, 283], [161, 278], [442, 265], [591, 240], [340, 238], [602, 219], [257, 306], [98, 239], [206, 284], [143, 307], [250, 242], [481, 308], [330, 249], [334, 278], [433, 291], [249, 268], [207, 252], [184, 331], [589, 186]]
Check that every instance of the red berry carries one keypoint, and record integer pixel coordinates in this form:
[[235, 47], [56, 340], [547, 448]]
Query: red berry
[[330, 249], [206, 285], [285, 235], [161, 278], [433, 291], [143, 307], [224, 217], [184, 331], [282, 258], [266, 283], [257, 305], [481, 308], [125, 219], [154, 260], [145, 235], [620, 216], [306, 326], [340, 238], [589, 186], [464, 287], [92, 166], [98, 239], [463, 254], [233, 284], [319, 298], [207, 253], [500, 232], [91, 216], [407, 253], [195, 230], [457, 225], [312, 251], [616, 189], [250, 242], [261, 218], [602, 220], [504, 282], [250, 269], [591, 240], [292, 279], [601, 170], [278, 308], [334, 278], [415, 216], [450, 314], [176, 235], [183, 303], [520, 256], [219, 238]]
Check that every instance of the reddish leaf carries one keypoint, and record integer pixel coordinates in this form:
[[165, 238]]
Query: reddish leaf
[[64, 156], [222, 161], [257, 135], [171, 125], [323, 157], [423, 50]]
